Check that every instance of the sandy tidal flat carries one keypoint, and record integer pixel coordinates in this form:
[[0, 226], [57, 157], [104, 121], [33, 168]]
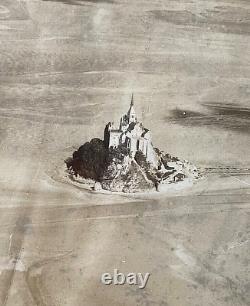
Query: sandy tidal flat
[[67, 67]]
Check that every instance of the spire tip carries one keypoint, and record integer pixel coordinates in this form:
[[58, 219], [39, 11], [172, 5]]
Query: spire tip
[[132, 99]]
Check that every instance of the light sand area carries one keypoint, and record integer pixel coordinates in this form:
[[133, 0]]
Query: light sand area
[[67, 68], [194, 243]]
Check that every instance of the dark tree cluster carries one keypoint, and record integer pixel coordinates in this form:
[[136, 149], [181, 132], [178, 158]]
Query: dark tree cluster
[[90, 160]]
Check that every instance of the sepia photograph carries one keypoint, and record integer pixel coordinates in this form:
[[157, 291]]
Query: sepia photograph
[[124, 153]]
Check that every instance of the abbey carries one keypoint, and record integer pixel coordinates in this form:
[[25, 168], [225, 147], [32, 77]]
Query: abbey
[[132, 134]]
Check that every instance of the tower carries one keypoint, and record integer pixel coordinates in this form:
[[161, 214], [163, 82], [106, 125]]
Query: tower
[[131, 112], [131, 134]]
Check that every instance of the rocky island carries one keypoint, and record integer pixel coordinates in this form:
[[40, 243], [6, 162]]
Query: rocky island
[[126, 160]]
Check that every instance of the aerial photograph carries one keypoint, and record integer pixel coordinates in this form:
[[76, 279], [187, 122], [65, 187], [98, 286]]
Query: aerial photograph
[[124, 153]]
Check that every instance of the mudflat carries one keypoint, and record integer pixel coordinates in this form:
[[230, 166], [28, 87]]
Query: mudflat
[[69, 67]]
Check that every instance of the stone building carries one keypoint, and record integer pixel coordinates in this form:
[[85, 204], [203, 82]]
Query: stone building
[[132, 134]]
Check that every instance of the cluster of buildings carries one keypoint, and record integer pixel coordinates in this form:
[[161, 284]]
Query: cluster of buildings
[[132, 134]]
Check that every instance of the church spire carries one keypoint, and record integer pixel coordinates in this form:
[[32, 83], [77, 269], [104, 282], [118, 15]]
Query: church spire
[[131, 112], [132, 100]]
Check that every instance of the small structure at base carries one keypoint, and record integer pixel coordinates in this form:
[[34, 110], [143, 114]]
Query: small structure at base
[[179, 177]]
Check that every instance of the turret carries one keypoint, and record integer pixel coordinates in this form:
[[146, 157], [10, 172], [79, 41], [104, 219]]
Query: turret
[[107, 135]]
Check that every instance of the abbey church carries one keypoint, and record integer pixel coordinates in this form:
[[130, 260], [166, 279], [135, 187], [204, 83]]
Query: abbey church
[[131, 134]]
